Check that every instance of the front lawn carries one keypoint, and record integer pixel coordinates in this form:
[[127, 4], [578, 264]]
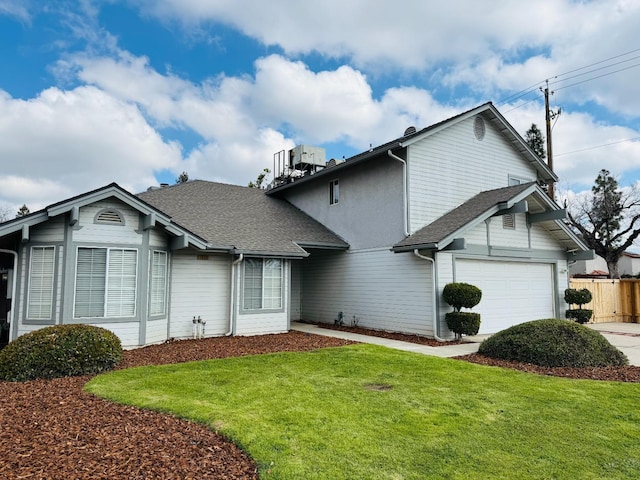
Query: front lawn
[[364, 412]]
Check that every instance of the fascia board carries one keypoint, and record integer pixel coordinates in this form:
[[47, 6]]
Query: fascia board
[[16, 225]]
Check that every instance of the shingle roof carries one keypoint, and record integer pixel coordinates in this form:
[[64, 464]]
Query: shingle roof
[[242, 217], [472, 210]]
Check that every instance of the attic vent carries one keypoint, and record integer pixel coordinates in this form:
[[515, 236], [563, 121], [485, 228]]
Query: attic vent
[[509, 221], [410, 130], [478, 128], [110, 217]]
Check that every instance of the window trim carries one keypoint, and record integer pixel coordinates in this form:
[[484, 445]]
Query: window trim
[[334, 191], [105, 315], [262, 309], [29, 316], [165, 283]]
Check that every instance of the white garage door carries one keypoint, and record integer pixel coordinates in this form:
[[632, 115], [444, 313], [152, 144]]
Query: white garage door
[[512, 292]]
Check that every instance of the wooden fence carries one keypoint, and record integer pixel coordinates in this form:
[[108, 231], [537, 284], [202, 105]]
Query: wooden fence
[[613, 300]]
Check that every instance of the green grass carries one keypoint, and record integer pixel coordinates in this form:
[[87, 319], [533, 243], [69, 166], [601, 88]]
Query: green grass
[[314, 415]]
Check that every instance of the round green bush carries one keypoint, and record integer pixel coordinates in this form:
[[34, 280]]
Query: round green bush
[[553, 343], [460, 295], [580, 315], [577, 297], [60, 351], [463, 323]]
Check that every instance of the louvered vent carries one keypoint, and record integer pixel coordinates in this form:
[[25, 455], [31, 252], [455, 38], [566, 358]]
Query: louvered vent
[[109, 216], [478, 128], [509, 221]]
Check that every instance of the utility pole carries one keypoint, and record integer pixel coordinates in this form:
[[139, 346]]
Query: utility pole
[[549, 115]]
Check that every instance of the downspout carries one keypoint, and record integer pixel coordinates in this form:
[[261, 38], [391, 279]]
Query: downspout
[[436, 320], [405, 193], [13, 290], [232, 310]]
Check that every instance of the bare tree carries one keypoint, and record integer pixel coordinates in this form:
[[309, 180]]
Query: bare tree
[[4, 213], [608, 220]]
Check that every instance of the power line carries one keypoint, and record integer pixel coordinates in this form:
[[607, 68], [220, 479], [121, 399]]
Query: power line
[[598, 76], [598, 146], [537, 85]]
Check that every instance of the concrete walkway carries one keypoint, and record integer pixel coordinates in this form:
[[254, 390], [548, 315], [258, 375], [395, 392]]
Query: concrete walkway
[[624, 336]]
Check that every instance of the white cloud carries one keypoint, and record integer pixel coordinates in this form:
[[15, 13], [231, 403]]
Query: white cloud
[[65, 142], [485, 46]]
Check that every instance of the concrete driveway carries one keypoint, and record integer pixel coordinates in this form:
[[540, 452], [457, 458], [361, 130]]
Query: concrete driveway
[[624, 336]]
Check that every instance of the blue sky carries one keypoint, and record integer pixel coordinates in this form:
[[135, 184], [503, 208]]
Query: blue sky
[[138, 91]]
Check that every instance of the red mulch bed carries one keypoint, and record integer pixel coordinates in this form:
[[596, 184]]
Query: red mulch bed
[[614, 374], [51, 429]]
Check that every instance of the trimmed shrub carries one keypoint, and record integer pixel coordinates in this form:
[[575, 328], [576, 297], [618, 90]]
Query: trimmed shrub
[[460, 295], [463, 323], [60, 351], [553, 343], [578, 297]]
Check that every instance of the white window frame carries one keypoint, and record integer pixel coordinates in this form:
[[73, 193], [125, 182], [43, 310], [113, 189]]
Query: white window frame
[[269, 285], [110, 276], [158, 283], [334, 191], [44, 310]]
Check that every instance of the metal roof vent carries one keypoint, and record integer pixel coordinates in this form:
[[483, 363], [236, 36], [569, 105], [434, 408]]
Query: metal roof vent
[[479, 127], [410, 130]]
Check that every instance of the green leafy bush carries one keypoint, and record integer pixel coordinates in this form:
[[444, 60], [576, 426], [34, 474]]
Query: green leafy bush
[[578, 297], [463, 323], [60, 351], [460, 295], [553, 343]]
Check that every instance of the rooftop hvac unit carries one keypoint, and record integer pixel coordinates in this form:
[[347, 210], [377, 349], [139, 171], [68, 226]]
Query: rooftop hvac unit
[[307, 158]]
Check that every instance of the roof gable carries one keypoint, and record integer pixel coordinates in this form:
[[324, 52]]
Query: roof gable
[[113, 190], [443, 231]]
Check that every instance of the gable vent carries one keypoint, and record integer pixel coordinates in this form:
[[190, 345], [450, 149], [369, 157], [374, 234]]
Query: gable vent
[[479, 128], [410, 130], [509, 221], [110, 216]]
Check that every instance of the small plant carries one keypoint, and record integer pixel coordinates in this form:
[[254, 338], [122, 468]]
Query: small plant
[[553, 343], [339, 320], [462, 295], [60, 351], [355, 321], [578, 297]]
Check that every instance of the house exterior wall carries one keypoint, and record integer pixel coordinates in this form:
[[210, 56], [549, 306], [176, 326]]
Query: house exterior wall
[[588, 266], [200, 287], [369, 213], [383, 290], [65, 238], [449, 167]]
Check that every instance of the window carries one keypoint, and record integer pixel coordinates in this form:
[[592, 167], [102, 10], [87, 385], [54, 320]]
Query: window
[[334, 192], [262, 284], [158, 290], [40, 303], [105, 282]]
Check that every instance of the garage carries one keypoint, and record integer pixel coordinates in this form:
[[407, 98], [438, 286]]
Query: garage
[[512, 292]]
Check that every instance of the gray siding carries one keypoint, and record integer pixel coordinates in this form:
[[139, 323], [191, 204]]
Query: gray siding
[[383, 290], [370, 211], [451, 166], [200, 287]]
